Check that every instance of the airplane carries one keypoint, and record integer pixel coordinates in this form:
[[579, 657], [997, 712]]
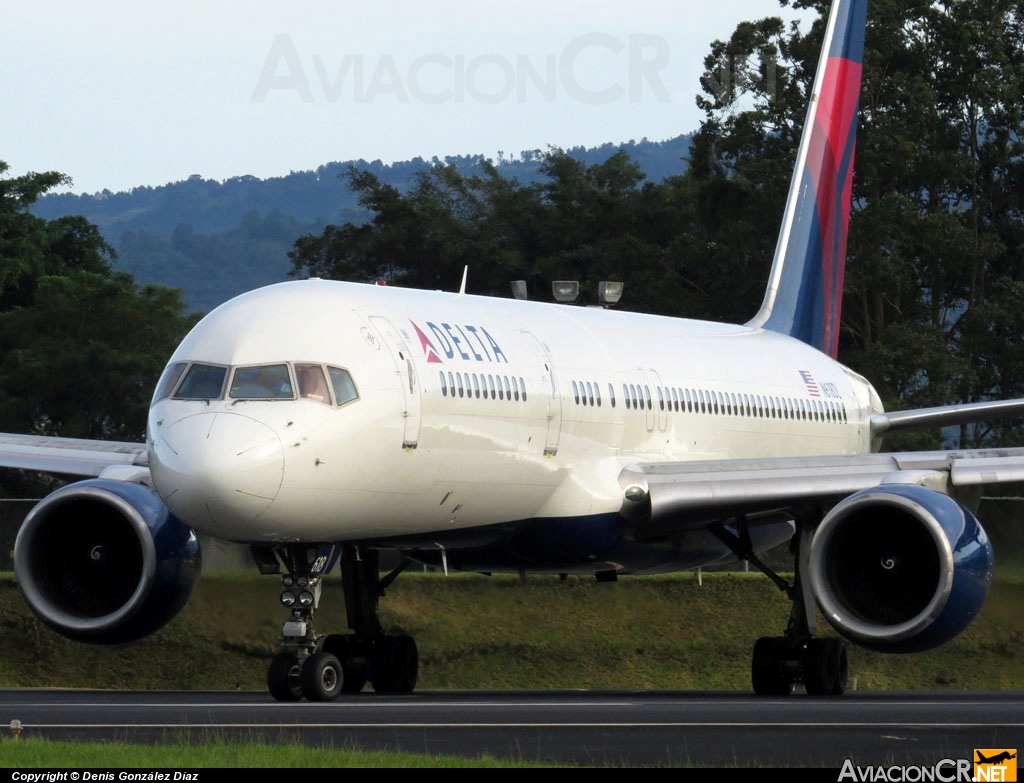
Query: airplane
[[1003, 756], [326, 423]]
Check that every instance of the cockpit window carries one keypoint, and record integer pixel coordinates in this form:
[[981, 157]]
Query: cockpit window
[[312, 385], [317, 382], [344, 388], [263, 382], [168, 380], [202, 382]]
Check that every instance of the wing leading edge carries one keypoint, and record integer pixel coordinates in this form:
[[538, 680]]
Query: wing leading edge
[[69, 456], [669, 498]]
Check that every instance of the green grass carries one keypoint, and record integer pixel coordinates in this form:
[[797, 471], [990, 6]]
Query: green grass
[[186, 755], [477, 632], [474, 632]]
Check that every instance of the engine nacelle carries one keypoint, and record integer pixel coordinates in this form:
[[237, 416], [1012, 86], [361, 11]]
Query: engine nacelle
[[900, 568], [105, 562]]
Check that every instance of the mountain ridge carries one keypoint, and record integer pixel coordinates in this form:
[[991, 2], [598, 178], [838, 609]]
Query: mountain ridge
[[215, 239]]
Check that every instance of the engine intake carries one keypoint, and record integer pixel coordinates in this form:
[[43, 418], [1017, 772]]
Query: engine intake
[[900, 568], [105, 562]]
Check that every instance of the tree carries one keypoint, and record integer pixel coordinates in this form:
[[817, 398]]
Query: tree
[[935, 252], [582, 222], [81, 346]]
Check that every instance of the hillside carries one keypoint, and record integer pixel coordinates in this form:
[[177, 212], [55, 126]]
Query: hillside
[[214, 240]]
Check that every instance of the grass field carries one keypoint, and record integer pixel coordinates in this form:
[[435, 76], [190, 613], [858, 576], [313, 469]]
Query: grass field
[[477, 632], [474, 632], [103, 756]]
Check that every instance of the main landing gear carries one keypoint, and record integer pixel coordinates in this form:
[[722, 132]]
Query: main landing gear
[[798, 656], [322, 668]]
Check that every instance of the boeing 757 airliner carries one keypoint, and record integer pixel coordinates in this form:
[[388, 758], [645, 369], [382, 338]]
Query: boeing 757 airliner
[[322, 423]]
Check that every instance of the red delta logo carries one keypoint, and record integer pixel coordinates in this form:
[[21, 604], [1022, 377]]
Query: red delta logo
[[428, 347], [995, 764], [467, 342]]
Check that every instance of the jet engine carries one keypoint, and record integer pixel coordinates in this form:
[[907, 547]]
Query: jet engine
[[900, 568], [105, 562]]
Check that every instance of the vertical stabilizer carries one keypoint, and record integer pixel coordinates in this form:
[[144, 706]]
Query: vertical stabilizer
[[805, 289]]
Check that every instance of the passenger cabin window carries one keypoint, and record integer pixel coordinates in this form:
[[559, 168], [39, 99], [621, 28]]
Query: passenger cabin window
[[344, 386], [262, 382], [202, 382]]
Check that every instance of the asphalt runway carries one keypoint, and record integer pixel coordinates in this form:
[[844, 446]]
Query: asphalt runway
[[586, 728]]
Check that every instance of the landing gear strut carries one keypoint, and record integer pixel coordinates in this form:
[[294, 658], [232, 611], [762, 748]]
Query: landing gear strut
[[780, 662], [321, 668]]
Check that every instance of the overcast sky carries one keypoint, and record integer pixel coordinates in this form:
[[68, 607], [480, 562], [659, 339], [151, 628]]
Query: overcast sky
[[119, 93]]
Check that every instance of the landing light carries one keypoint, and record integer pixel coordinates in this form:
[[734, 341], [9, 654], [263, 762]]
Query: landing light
[[565, 291], [287, 598], [609, 293]]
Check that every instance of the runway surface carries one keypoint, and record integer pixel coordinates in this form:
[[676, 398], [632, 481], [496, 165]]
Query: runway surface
[[587, 728]]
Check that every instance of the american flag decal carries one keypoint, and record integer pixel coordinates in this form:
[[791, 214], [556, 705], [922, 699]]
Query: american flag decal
[[810, 383]]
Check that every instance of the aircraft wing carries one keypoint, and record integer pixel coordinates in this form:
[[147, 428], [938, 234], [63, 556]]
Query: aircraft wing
[[670, 497], [68, 456]]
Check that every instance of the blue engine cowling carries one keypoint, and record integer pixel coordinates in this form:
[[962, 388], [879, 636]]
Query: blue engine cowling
[[900, 568], [105, 562]]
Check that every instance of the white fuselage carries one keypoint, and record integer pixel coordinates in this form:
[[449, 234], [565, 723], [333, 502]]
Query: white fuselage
[[473, 411]]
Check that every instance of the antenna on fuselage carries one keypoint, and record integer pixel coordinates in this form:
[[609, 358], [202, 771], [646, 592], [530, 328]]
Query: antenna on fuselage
[[465, 274]]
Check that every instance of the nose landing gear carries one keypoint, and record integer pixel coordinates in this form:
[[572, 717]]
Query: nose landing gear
[[321, 668]]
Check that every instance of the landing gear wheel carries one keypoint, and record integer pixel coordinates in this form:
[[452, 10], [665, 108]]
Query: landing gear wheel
[[395, 664], [321, 677], [283, 677], [819, 668], [344, 648], [767, 671], [842, 665], [825, 667]]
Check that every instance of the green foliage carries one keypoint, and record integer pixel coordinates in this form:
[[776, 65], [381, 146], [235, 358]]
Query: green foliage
[[936, 240], [214, 240], [601, 221], [81, 346]]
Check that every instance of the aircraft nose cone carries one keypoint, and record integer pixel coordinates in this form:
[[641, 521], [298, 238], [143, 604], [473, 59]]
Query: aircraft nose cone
[[217, 471]]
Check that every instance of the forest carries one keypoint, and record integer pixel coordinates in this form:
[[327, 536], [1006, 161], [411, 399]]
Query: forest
[[935, 273], [214, 240]]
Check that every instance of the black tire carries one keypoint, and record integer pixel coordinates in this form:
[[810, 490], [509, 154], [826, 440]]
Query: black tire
[[766, 670], [353, 665], [321, 677], [283, 677], [821, 667], [842, 665], [395, 664]]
